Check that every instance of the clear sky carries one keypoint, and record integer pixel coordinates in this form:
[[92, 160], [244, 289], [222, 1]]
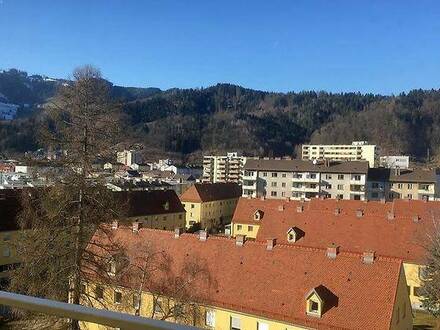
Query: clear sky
[[291, 45]]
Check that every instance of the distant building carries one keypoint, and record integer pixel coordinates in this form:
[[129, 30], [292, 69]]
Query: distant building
[[394, 161], [397, 229], [357, 151], [302, 179], [223, 168], [157, 209], [210, 205], [389, 184], [128, 157]]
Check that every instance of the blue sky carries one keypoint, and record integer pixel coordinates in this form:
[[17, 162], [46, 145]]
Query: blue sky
[[292, 45]]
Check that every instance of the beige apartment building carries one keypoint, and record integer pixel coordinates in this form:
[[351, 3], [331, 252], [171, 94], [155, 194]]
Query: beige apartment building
[[389, 184], [220, 169], [302, 179], [358, 150]]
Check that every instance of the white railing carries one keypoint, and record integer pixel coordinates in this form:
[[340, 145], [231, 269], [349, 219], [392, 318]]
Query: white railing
[[88, 314]]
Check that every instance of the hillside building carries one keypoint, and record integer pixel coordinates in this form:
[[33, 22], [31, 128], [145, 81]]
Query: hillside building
[[223, 168]]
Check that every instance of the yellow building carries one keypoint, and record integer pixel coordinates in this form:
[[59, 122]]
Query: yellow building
[[256, 285], [210, 205], [157, 209], [398, 229]]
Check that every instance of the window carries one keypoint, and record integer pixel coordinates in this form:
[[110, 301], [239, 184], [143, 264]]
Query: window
[[328, 176], [374, 195], [6, 252], [7, 237], [283, 194], [235, 323], [250, 228], [417, 291], [192, 206], [409, 290], [313, 307], [136, 301], [117, 297], [274, 174], [357, 177], [210, 318], [340, 176], [284, 175], [409, 196], [264, 173], [273, 184], [375, 185], [273, 193], [283, 184], [340, 187], [99, 292], [239, 227], [409, 185], [313, 176], [262, 326]]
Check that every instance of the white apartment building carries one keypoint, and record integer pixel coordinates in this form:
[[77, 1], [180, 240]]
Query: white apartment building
[[303, 179], [357, 151], [394, 161], [128, 157], [223, 168]]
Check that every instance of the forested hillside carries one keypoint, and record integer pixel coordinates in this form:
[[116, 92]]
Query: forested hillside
[[228, 117]]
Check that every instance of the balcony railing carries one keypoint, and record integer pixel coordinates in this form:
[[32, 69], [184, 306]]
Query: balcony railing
[[87, 314]]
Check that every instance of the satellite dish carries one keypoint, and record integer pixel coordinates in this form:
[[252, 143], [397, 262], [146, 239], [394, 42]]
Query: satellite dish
[[315, 162]]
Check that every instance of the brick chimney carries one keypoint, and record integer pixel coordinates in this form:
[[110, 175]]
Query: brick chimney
[[239, 240], [416, 218], [281, 207], [332, 251], [262, 198], [300, 208], [203, 235], [136, 226], [382, 200], [359, 213], [270, 243], [368, 257], [177, 232], [115, 224], [390, 215], [337, 211]]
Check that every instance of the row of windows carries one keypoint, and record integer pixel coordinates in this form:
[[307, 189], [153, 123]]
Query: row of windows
[[249, 228]]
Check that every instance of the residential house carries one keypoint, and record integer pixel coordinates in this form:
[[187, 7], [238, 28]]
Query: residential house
[[210, 205], [394, 161], [223, 168], [397, 229], [260, 285], [128, 157]]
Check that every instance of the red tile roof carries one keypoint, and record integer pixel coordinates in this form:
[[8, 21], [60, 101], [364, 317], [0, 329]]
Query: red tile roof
[[402, 236], [273, 284], [207, 192]]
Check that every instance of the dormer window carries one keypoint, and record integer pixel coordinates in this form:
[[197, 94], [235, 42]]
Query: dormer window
[[319, 300], [294, 234], [166, 206], [258, 215]]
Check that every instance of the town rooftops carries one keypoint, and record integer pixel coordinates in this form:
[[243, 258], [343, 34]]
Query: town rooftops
[[274, 283], [416, 175], [144, 203], [397, 229], [207, 192], [298, 165]]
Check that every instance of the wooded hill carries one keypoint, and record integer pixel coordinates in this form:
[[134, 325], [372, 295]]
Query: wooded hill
[[226, 117]]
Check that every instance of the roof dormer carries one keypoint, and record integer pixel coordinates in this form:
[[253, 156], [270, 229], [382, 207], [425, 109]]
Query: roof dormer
[[319, 300], [294, 234], [258, 215]]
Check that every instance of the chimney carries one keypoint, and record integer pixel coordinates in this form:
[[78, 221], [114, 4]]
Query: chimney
[[368, 257], [390, 215], [382, 200], [359, 213], [239, 240], [281, 207], [177, 232], [332, 251], [262, 198], [115, 224], [300, 208], [136, 226], [416, 218], [337, 211], [203, 235], [270, 243]]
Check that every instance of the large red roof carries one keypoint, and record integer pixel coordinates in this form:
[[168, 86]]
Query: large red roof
[[403, 235], [208, 192], [274, 284]]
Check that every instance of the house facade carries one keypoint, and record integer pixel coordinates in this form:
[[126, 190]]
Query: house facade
[[226, 168]]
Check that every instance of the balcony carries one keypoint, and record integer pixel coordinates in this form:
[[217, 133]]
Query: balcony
[[306, 177], [249, 185]]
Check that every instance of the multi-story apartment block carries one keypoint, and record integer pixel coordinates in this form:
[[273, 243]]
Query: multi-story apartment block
[[301, 179], [394, 161], [128, 157], [358, 150], [223, 168], [397, 229], [389, 184]]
